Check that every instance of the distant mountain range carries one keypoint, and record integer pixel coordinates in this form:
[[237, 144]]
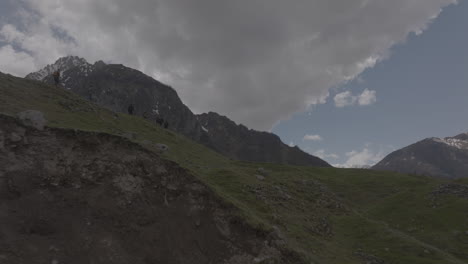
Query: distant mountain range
[[115, 87], [439, 157]]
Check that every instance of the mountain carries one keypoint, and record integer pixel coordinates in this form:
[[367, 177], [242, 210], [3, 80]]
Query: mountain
[[78, 191], [115, 87], [439, 157], [63, 64], [239, 142]]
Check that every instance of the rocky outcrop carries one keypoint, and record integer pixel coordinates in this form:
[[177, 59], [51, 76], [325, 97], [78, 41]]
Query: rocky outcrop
[[68, 196], [445, 158], [115, 87], [33, 118], [239, 142]]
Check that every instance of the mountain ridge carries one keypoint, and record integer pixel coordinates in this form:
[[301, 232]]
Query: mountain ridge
[[116, 86], [233, 139]]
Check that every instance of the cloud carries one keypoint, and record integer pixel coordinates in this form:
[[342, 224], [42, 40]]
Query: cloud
[[313, 137], [361, 159], [367, 97], [344, 99], [17, 62], [321, 154], [257, 61]]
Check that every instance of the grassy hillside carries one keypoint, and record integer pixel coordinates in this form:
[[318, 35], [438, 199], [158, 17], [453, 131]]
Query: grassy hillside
[[329, 215]]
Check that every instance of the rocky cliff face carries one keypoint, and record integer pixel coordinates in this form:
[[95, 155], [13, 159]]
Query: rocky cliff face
[[116, 87], [447, 158], [78, 197], [239, 142]]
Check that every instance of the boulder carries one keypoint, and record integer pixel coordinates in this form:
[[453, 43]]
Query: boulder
[[33, 118], [260, 177], [262, 172]]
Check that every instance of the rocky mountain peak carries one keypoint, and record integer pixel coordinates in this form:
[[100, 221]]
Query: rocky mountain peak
[[63, 64]]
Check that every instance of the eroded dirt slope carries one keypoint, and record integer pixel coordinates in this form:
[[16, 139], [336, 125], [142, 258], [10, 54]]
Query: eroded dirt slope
[[77, 197]]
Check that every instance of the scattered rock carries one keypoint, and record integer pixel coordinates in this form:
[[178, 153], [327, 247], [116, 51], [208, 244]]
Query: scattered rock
[[129, 183], [14, 137], [282, 193], [196, 187], [459, 190], [260, 177], [262, 172], [146, 142], [172, 187], [276, 234], [162, 147], [129, 135], [320, 226], [160, 170], [33, 118]]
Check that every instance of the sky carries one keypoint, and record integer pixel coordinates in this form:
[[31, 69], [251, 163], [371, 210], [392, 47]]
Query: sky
[[421, 91], [349, 81]]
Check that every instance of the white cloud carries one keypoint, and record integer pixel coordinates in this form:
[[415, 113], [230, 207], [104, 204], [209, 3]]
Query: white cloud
[[361, 159], [367, 97], [344, 99], [17, 63], [258, 63], [323, 155], [313, 137]]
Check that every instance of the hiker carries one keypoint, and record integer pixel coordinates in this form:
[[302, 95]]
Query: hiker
[[166, 124], [56, 75], [130, 109]]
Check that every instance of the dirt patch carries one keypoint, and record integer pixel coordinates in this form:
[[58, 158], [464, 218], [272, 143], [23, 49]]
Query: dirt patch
[[76, 197]]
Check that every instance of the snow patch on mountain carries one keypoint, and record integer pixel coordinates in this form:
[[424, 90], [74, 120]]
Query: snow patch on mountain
[[453, 142]]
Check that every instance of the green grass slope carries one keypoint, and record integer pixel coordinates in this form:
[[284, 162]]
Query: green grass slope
[[328, 215]]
